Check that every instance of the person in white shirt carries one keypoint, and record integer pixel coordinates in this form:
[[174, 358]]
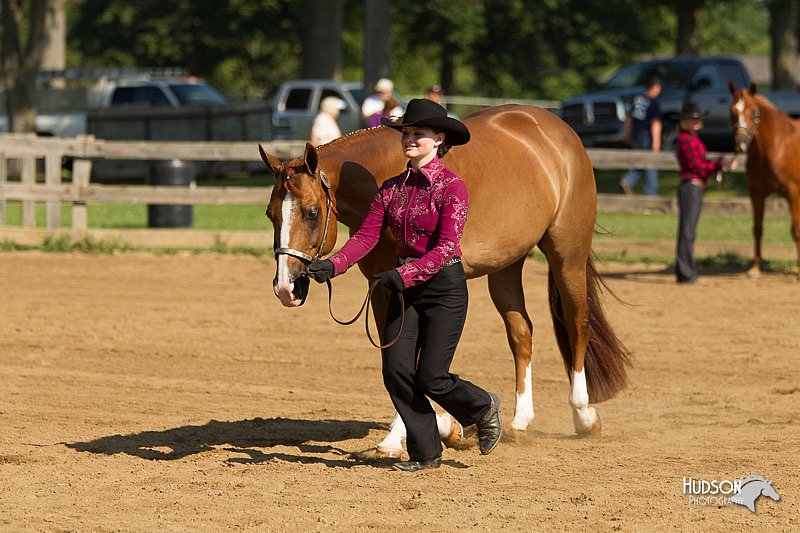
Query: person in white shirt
[[325, 129], [375, 103]]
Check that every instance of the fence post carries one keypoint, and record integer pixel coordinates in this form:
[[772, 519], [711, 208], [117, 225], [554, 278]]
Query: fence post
[[81, 172], [52, 177], [28, 174], [3, 180]]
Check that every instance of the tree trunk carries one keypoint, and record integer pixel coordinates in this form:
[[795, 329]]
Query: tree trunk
[[55, 34], [447, 67], [322, 39], [377, 47], [687, 41], [21, 66], [783, 33]]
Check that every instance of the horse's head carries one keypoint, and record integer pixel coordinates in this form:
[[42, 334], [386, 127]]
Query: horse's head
[[769, 491], [303, 215], [744, 116]]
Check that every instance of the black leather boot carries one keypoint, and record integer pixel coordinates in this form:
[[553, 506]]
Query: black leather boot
[[489, 428], [413, 466]]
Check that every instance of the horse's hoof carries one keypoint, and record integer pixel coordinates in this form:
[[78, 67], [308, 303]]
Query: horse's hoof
[[754, 273], [594, 429], [455, 436], [390, 453]]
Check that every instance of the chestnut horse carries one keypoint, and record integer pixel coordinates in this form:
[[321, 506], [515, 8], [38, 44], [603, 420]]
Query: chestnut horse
[[530, 182], [772, 142]]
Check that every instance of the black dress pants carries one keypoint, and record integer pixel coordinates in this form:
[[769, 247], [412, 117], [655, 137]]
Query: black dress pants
[[418, 364], [690, 203]]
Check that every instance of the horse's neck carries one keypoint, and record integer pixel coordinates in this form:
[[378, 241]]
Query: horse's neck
[[356, 164], [770, 120]]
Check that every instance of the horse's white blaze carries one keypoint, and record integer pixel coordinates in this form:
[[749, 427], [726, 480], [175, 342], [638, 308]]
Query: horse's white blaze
[[739, 106], [523, 412], [284, 287], [583, 415]]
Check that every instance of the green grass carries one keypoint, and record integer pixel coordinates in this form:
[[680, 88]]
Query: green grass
[[251, 217], [734, 183], [710, 227], [127, 216]]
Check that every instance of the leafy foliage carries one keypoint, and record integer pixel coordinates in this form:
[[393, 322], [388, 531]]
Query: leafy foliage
[[500, 48]]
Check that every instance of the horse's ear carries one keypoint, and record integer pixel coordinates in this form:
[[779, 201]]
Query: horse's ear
[[310, 157], [732, 87], [273, 163], [752, 88]]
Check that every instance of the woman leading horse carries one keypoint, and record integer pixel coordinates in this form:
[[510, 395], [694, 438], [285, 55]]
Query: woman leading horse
[[530, 183]]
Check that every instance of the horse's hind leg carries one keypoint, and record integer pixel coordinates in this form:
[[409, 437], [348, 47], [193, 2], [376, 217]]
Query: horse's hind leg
[[794, 206], [568, 270], [505, 287]]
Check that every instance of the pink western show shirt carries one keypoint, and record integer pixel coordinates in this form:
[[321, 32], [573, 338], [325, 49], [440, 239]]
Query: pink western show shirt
[[425, 209]]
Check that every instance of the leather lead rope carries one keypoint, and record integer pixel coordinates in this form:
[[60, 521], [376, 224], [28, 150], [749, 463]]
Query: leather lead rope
[[366, 305]]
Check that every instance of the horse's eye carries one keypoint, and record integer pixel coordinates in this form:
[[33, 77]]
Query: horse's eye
[[312, 213]]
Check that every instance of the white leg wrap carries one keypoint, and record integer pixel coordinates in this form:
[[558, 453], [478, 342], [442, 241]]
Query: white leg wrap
[[583, 415], [523, 411]]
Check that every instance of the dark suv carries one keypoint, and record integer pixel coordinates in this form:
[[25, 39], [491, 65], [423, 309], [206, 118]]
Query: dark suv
[[599, 117]]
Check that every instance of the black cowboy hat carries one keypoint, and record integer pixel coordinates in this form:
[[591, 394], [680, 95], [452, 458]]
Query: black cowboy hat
[[426, 113], [691, 110]]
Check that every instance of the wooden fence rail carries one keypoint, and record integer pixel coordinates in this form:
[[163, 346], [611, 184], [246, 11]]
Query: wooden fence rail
[[84, 151]]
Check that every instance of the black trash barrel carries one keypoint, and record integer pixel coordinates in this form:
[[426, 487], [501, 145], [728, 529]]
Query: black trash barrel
[[177, 173]]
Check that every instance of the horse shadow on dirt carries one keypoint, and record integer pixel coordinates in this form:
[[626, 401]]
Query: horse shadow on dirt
[[248, 437]]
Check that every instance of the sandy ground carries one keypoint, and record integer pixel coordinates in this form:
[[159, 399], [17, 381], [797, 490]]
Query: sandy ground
[[145, 393]]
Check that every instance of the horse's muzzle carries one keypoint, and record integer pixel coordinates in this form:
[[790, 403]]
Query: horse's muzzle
[[292, 294]]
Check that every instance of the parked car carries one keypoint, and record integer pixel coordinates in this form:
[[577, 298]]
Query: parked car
[[296, 103], [63, 112], [599, 117]]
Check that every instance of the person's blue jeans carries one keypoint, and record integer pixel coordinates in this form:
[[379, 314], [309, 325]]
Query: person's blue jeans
[[650, 174], [650, 179]]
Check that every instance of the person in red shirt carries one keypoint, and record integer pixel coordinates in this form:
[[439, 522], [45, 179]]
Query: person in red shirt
[[695, 170], [426, 209]]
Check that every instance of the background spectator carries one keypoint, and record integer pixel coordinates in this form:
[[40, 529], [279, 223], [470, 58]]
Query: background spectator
[[325, 128], [643, 132]]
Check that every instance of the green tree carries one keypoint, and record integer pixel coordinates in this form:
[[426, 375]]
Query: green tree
[[241, 45], [23, 44]]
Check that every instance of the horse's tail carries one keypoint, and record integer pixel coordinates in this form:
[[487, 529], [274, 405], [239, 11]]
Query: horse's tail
[[606, 357]]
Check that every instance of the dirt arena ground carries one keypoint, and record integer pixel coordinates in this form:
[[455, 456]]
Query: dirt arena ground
[[145, 393]]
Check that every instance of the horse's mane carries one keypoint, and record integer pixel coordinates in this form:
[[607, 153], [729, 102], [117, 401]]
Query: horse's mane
[[764, 101], [345, 138], [745, 480]]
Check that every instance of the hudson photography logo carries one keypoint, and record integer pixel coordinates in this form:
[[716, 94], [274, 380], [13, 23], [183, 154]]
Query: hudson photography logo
[[743, 491]]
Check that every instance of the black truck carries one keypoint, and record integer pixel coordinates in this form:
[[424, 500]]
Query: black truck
[[599, 117]]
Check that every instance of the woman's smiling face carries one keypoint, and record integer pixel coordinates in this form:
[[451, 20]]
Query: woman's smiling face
[[420, 143]]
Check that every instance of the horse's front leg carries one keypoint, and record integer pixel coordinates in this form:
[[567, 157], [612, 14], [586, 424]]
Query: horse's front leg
[[757, 199]]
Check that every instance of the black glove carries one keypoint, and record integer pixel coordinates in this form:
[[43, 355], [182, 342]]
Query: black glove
[[320, 271], [391, 279]]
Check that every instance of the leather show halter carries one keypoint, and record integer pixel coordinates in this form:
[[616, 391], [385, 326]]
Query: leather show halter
[[750, 131], [331, 208]]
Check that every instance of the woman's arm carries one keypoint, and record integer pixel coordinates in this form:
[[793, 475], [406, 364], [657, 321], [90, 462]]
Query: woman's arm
[[365, 239]]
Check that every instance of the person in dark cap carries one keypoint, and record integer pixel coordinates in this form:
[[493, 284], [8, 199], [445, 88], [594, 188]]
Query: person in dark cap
[[643, 132], [695, 170], [426, 208]]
